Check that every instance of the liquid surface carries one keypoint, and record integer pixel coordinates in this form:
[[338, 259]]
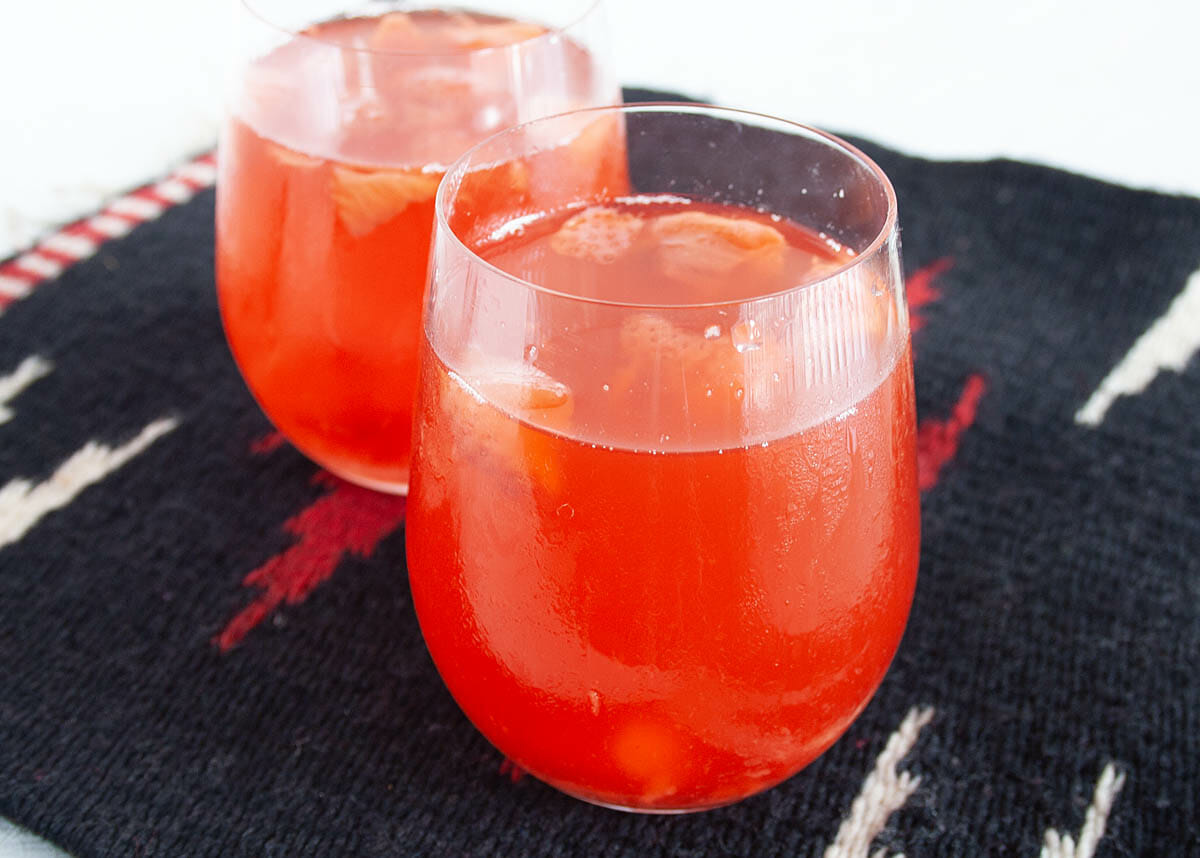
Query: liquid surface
[[663, 250], [694, 372], [680, 624], [414, 89], [328, 170]]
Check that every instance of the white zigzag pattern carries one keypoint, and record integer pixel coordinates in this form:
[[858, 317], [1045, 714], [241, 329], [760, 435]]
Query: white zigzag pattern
[[45, 260], [1058, 845], [1169, 343], [883, 792], [886, 791], [30, 370], [23, 504]]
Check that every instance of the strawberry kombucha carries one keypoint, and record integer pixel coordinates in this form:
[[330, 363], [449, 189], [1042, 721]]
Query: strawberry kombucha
[[652, 570], [329, 165]]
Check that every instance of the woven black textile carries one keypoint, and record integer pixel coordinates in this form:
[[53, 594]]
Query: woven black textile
[[1056, 627]]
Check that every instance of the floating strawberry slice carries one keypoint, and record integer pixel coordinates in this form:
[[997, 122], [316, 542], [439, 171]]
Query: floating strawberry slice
[[701, 245], [397, 31], [597, 234], [471, 34], [365, 200]]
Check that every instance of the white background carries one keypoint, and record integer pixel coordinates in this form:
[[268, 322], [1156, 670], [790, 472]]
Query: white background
[[98, 97]]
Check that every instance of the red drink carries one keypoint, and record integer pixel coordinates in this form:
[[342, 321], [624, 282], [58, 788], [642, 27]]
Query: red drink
[[649, 571], [329, 166]]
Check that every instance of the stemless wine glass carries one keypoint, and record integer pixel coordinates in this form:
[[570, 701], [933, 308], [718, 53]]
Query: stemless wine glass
[[341, 123], [664, 513]]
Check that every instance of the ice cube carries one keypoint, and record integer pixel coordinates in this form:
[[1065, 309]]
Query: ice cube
[[497, 409], [701, 245], [747, 336], [522, 389], [597, 234], [366, 199]]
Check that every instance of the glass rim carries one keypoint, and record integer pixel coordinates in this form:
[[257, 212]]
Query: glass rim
[[457, 170], [254, 8]]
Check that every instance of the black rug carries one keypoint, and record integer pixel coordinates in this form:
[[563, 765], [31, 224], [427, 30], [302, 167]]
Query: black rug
[[1050, 674]]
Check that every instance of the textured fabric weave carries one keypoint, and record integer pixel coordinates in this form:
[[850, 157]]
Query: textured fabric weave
[[1055, 632]]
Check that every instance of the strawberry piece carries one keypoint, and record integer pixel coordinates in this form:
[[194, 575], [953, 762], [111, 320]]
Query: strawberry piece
[[471, 34], [597, 234], [365, 200], [700, 245]]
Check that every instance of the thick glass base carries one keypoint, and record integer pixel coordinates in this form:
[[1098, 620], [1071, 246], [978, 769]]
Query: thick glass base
[[652, 811], [390, 488]]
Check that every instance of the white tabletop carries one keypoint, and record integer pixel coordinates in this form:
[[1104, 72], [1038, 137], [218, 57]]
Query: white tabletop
[[101, 97]]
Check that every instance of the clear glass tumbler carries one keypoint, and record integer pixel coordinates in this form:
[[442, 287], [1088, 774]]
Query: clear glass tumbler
[[663, 527], [340, 125]]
